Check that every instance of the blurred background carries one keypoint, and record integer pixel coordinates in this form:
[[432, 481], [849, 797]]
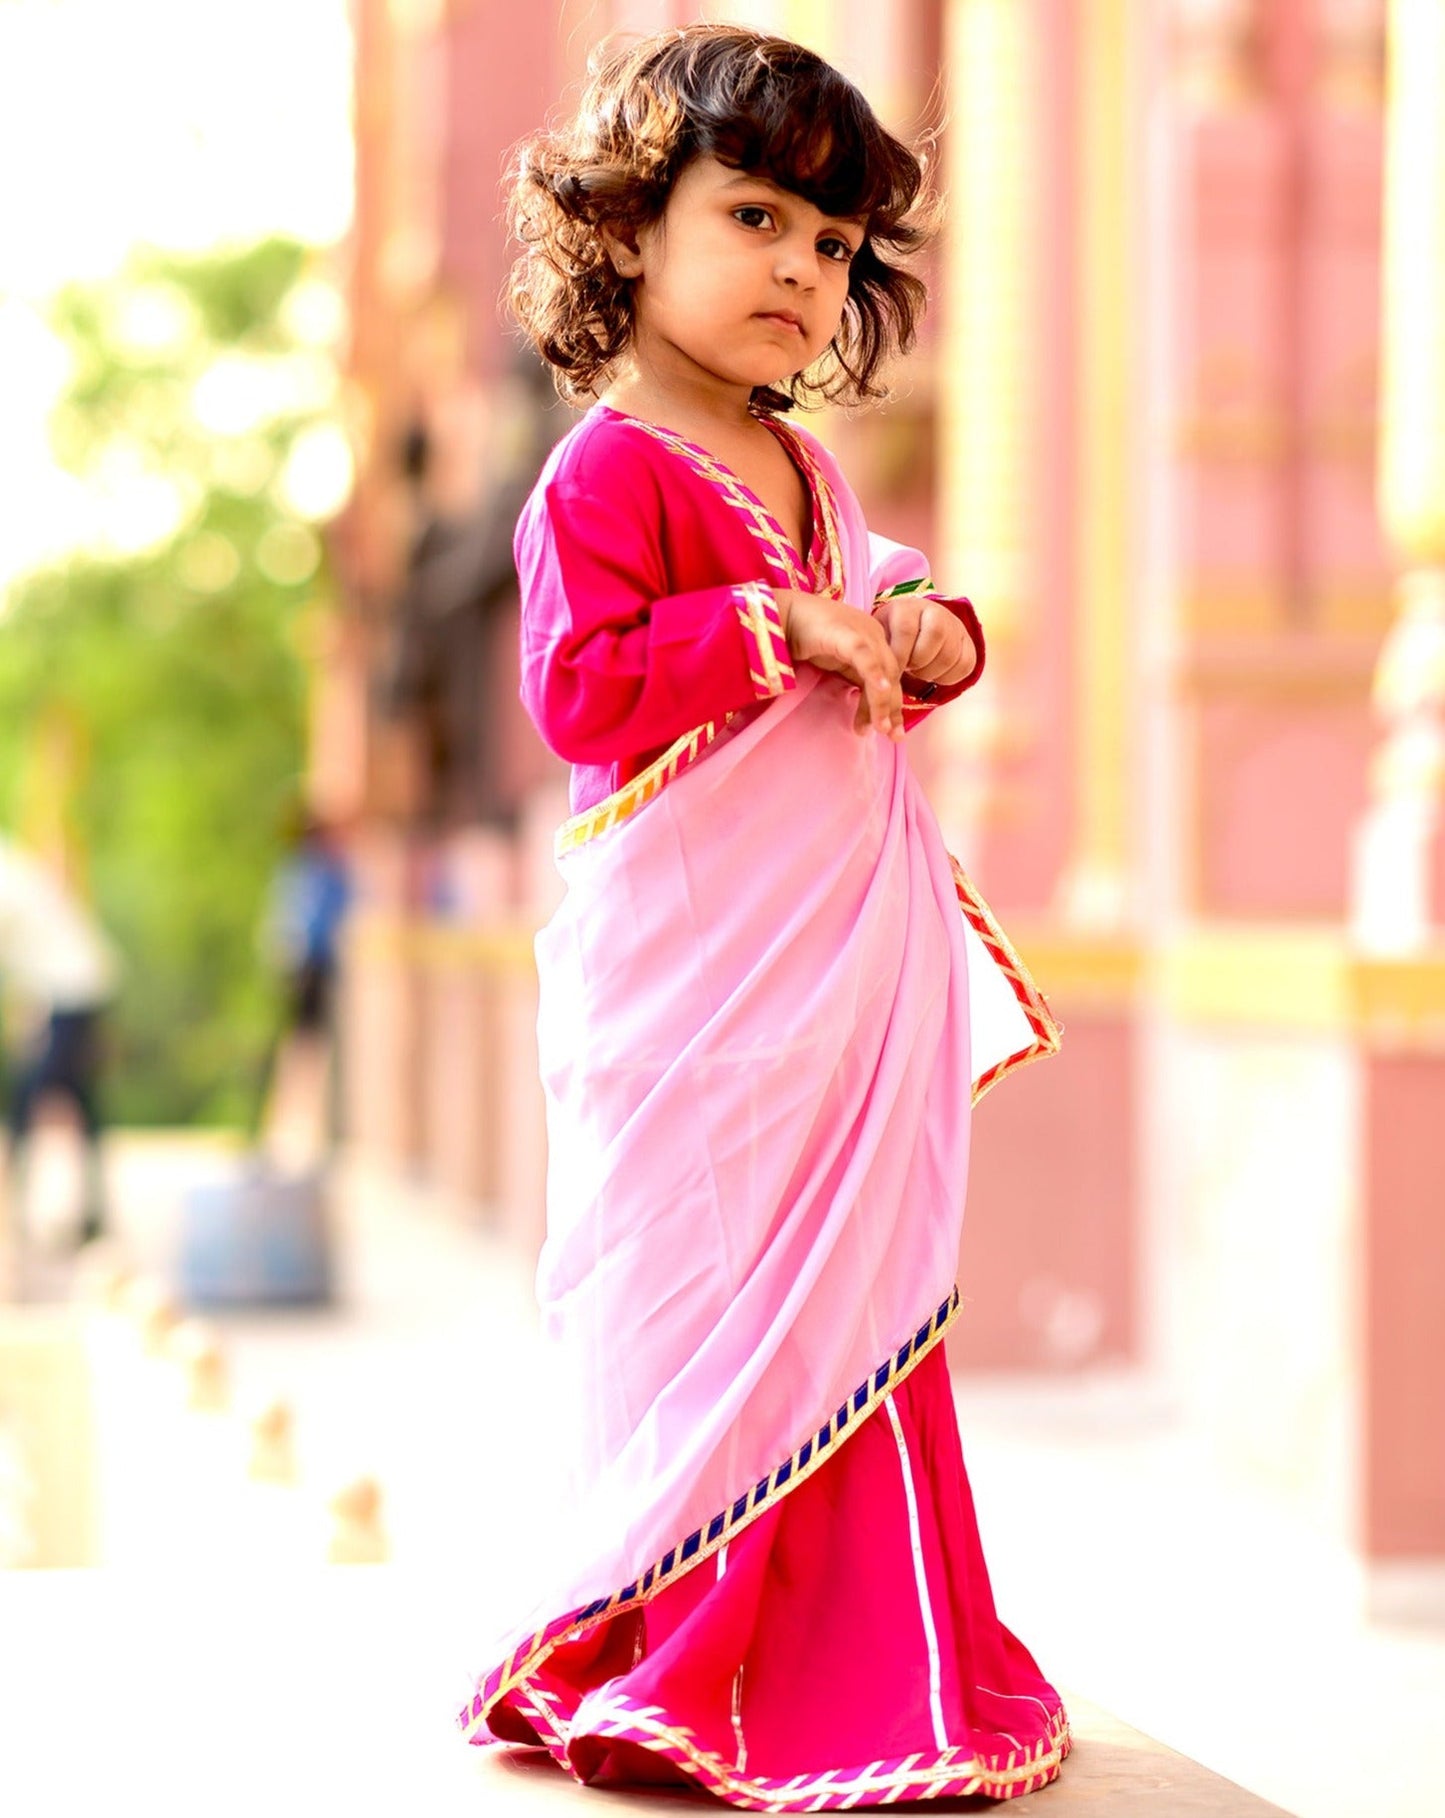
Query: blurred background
[[275, 834]]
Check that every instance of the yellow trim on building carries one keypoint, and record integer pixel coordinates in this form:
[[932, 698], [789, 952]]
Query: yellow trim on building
[[1303, 980], [492, 947], [1360, 609], [1291, 977], [1082, 971], [1401, 1002], [1299, 979]]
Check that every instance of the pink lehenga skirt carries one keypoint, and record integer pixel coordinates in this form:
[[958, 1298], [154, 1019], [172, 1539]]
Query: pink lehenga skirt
[[844, 1651]]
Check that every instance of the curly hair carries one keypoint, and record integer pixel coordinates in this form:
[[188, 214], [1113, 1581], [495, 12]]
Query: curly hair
[[755, 103]]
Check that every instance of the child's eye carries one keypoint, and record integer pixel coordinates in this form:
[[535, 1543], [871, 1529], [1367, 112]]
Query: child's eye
[[834, 248], [753, 215]]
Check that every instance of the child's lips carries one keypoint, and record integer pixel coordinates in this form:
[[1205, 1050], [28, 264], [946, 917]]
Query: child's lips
[[782, 318]]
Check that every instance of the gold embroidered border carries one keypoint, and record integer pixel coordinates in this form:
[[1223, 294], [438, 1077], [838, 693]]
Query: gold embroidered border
[[764, 526], [917, 1776], [700, 1545], [772, 673], [1047, 1030], [777, 550], [541, 1709], [829, 574], [624, 802]]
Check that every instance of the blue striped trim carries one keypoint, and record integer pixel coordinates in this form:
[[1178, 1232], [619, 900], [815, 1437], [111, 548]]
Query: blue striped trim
[[712, 1533]]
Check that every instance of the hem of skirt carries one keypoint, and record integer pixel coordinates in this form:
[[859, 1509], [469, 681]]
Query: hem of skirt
[[725, 1526], [948, 1773]]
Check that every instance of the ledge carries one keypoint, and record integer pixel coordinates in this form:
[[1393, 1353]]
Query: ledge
[[338, 1680]]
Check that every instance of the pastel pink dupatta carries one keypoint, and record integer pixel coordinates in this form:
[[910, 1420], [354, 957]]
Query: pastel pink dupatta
[[768, 1001]]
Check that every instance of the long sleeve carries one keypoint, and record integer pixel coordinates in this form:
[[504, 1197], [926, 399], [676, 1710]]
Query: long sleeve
[[896, 570], [613, 662]]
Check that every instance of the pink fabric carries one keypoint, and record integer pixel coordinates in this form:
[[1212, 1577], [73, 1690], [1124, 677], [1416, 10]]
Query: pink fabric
[[821, 1653], [630, 563], [754, 1042]]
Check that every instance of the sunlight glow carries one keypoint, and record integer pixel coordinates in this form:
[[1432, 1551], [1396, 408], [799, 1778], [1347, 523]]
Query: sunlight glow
[[156, 121], [316, 480]]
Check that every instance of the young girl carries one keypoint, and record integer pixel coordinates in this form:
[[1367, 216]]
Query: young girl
[[768, 997]]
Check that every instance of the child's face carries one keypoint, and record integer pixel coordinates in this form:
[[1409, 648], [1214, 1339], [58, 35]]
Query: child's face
[[740, 280]]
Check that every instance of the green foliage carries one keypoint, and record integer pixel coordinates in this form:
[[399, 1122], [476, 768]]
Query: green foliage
[[177, 673]]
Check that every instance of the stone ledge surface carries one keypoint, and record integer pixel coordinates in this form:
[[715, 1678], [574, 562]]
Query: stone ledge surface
[[331, 1690]]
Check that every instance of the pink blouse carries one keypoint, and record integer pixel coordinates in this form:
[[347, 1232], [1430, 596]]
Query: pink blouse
[[646, 572]]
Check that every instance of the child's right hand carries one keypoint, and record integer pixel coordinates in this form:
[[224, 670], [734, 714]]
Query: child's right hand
[[835, 636]]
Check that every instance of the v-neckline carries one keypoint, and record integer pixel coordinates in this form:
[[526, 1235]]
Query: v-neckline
[[809, 565]]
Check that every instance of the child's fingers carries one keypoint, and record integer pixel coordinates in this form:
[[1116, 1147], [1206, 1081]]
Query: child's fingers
[[856, 646], [882, 675], [885, 707], [870, 657], [875, 714], [901, 618], [944, 652], [881, 678], [880, 694], [964, 667], [937, 644]]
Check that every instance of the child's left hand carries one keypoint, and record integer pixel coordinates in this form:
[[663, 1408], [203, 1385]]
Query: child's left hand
[[930, 643]]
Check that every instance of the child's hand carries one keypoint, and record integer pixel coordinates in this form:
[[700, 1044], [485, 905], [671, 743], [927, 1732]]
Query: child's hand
[[838, 637], [928, 641]]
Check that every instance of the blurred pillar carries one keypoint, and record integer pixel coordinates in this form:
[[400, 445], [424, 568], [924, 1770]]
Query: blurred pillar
[[997, 356], [1097, 887], [382, 1010], [467, 1059], [1400, 883], [1400, 877], [364, 763], [1038, 426], [392, 264]]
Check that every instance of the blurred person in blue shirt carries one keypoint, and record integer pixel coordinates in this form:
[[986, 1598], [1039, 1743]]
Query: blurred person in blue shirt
[[310, 900], [311, 896]]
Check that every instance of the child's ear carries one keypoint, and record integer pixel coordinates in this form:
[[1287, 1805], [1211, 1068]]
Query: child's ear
[[623, 253]]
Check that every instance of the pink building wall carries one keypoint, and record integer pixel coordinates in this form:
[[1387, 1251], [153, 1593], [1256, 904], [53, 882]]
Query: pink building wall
[[1108, 1210], [1282, 581]]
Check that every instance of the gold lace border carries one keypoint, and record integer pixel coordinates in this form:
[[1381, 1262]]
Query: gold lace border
[[950, 1773], [1046, 1030], [623, 803]]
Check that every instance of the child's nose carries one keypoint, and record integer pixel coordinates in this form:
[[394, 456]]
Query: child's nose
[[796, 261]]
